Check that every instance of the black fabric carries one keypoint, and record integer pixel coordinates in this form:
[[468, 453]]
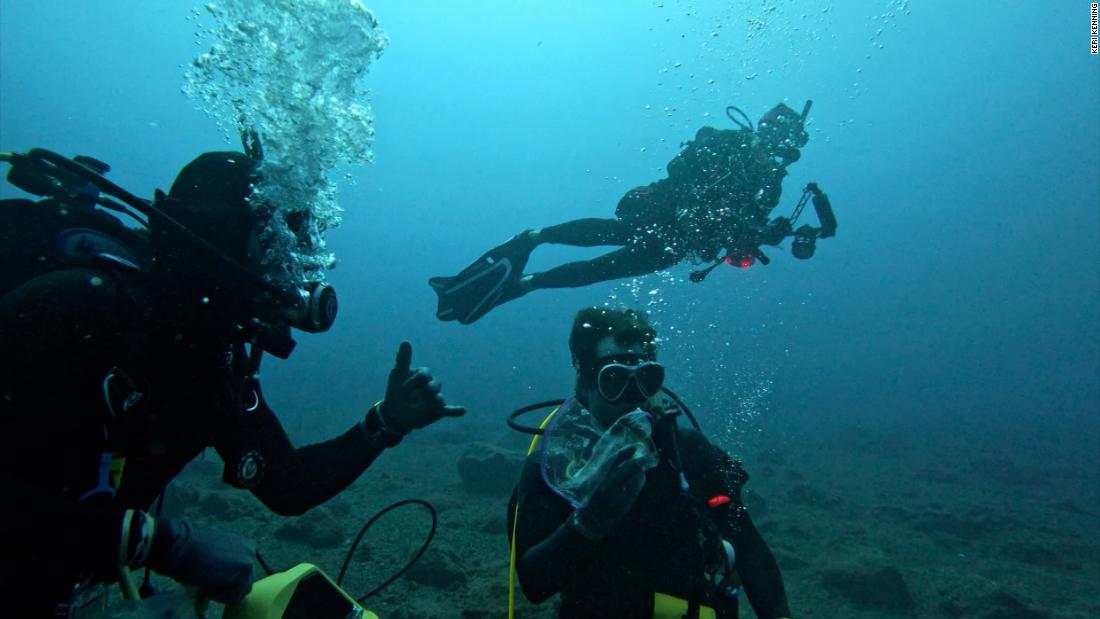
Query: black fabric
[[666, 543], [711, 155], [61, 334], [728, 184], [645, 227], [222, 176], [727, 165], [649, 208], [210, 197], [29, 238], [719, 193], [718, 196], [588, 232], [629, 261]]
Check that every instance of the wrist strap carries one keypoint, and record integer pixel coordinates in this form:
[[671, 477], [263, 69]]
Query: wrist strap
[[386, 427], [375, 430]]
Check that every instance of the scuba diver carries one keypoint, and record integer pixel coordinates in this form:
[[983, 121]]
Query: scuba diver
[[712, 208], [622, 512], [127, 351]]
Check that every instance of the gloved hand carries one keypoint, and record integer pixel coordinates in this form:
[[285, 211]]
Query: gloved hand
[[412, 397], [217, 562], [775, 231], [615, 495]]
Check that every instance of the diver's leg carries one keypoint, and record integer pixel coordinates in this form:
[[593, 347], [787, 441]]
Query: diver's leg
[[588, 232], [629, 261], [517, 250]]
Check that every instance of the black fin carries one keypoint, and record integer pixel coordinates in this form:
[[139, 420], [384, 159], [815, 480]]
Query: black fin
[[491, 280]]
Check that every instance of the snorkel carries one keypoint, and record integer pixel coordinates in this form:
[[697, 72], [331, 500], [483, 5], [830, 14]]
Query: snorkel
[[804, 137]]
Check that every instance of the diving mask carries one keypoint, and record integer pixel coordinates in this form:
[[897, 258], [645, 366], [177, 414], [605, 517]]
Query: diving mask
[[628, 377]]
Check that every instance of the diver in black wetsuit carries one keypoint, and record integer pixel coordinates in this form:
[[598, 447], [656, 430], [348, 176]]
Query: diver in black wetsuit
[[625, 514], [714, 205], [113, 377]]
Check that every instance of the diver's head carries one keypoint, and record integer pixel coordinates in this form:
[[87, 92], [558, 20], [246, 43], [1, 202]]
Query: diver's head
[[614, 354], [210, 197], [782, 132], [218, 256]]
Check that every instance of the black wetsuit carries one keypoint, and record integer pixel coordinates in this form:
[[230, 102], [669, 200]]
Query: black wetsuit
[[667, 543], [174, 390], [718, 195], [645, 227]]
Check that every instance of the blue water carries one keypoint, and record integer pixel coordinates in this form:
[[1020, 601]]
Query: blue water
[[959, 142]]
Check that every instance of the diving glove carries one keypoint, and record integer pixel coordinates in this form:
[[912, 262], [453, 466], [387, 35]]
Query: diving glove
[[412, 397], [614, 497], [775, 231], [217, 562]]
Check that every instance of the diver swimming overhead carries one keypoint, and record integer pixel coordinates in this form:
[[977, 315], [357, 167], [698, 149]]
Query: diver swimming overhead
[[712, 208]]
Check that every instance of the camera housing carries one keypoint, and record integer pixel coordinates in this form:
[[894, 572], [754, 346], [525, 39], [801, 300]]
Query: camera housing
[[805, 242]]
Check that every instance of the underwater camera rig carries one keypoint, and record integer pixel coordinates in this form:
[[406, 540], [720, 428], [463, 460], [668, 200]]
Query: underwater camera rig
[[805, 236]]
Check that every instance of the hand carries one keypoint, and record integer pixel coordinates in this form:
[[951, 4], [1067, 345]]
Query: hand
[[775, 231], [615, 495], [412, 397], [217, 562], [655, 405]]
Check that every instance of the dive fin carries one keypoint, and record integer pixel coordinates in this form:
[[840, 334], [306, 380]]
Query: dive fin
[[473, 292], [491, 280]]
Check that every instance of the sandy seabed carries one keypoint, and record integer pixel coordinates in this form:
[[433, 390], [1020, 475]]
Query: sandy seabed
[[876, 527]]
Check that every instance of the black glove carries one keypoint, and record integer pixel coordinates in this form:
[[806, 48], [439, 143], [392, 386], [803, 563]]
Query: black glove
[[412, 397], [614, 497], [775, 231], [217, 562]]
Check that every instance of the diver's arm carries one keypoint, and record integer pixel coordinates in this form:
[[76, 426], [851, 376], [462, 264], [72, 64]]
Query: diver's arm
[[295, 480], [718, 475], [548, 546], [759, 572], [298, 479]]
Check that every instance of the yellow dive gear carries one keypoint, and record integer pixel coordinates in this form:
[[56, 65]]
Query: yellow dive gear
[[302, 592], [671, 607], [515, 522]]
